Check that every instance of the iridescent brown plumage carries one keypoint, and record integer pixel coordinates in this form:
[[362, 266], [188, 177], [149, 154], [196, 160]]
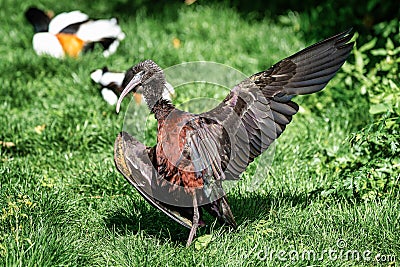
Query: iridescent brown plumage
[[194, 153]]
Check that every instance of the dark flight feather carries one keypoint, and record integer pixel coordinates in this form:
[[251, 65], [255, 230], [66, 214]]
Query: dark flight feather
[[267, 95]]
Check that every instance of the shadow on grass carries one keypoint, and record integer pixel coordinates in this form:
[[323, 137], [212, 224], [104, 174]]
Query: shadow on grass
[[245, 207], [324, 19], [152, 222]]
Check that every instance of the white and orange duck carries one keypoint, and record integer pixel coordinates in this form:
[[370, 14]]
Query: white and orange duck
[[72, 33]]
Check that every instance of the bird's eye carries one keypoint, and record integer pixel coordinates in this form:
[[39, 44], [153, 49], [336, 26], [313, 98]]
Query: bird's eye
[[140, 74]]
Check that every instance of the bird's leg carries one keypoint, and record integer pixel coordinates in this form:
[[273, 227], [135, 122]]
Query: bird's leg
[[195, 222]]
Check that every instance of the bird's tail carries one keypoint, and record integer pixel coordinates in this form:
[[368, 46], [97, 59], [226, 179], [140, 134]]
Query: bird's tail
[[221, 210], [38, 18]]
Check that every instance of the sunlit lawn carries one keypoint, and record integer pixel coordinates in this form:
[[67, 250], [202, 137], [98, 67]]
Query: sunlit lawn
[[64, 204]]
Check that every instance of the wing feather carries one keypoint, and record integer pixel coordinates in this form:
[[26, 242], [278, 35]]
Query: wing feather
[[132, 160], [257, 110]]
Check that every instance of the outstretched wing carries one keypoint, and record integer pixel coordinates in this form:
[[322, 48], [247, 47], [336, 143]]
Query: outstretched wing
[[258, 109], [133, 162]]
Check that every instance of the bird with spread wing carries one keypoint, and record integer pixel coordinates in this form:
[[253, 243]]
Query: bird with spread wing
[[182, 174]]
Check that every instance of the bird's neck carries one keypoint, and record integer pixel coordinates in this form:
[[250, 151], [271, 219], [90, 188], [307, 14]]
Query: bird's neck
[[153, 95], [153, 92], [162, 109]]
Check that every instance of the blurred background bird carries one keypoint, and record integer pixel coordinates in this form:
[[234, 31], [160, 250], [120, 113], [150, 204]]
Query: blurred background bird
[[72, 33], [112, 83]]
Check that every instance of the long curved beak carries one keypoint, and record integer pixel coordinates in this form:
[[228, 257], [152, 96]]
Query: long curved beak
[[136, 80]]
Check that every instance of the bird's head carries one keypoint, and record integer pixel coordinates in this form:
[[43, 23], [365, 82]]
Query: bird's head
[[146, 77]]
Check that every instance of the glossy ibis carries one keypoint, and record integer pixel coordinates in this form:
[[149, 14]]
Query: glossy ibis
[[181, 175]]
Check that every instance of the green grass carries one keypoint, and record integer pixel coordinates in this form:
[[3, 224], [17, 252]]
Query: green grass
[[64, 204]]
